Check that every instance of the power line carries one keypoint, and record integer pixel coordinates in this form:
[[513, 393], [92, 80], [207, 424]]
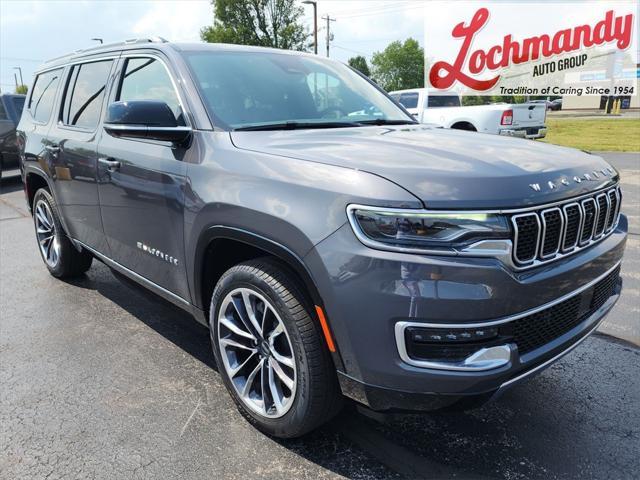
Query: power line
[[381, 11]]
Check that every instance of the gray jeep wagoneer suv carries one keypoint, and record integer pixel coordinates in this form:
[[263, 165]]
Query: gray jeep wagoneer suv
[[333, 246]]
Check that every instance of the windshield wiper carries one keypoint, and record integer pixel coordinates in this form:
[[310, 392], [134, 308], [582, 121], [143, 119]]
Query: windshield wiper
[[384, 121], [297, 126]]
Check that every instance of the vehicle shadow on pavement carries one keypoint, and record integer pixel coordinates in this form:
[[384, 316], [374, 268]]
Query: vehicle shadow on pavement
[[568, 422], [172, 323]]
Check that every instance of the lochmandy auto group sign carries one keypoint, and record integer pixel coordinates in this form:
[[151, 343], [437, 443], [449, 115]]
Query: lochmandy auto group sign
[[485, 48]]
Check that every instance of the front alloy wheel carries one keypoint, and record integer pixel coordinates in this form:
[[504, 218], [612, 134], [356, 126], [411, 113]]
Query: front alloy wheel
[[257, 352], [270, 350]]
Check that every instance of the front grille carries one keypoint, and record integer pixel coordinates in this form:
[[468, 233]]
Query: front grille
[[545, 234], [540, 328]]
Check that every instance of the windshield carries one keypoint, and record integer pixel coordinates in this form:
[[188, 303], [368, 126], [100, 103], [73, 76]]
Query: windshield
[[245, 89]]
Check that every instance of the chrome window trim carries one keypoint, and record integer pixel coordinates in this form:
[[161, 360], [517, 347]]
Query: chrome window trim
[[566, 249], [515, 237], [400, 327], [544, 233]]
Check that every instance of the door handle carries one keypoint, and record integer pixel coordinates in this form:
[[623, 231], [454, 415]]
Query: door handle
[[112, 165], [52, 148]]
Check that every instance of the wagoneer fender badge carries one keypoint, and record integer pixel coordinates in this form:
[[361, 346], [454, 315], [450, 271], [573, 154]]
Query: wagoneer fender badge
[[157, 253]]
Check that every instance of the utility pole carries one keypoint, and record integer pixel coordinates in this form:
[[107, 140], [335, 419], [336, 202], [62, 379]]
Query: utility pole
[[315, 24], [329, 20], [15, 77], [20, 70]]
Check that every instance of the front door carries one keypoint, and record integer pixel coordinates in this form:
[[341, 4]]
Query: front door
[[142, 184]]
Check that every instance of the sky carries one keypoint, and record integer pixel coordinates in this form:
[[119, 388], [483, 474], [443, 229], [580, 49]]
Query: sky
[[34, 31]]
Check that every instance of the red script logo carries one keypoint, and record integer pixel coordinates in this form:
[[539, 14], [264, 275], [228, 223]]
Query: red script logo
[[443, 75]]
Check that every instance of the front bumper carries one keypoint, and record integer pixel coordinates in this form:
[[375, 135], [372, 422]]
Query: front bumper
[[367, 293], [531, 133]]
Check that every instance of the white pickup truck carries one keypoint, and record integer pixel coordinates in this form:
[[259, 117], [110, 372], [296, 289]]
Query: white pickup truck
[[524, 120]]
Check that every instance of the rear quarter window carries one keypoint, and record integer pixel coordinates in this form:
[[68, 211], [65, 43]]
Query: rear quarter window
[[43, 95]]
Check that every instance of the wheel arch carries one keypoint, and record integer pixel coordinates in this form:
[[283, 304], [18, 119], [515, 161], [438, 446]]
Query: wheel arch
[[221, 240], [33, 180], [464, 125]]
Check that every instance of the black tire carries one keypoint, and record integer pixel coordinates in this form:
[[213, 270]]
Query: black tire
[[316, 398], [70, 262]]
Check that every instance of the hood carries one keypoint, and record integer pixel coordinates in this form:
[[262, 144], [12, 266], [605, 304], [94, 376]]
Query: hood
[[445, 168]]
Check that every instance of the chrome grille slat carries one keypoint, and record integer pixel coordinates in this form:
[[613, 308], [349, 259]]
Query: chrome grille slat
[[590, 213], [603, 211], [552, 230], [565, 228], [527, 237], [573, 225]]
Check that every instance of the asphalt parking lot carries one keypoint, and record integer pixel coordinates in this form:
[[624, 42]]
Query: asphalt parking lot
[[100, 381]]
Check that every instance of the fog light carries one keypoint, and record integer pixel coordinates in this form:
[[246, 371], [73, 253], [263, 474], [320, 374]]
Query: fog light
[[444, 335]]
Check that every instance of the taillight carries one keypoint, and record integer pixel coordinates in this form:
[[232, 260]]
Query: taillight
[[507, 117]]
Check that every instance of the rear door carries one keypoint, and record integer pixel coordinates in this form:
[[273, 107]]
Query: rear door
[[73, 146], [142, 199]]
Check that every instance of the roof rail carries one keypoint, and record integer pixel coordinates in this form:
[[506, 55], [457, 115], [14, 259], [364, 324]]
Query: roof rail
[[111, 45]]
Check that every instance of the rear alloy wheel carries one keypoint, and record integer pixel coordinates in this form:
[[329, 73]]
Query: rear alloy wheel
[[47, 234], [60, 256], [270, 350]]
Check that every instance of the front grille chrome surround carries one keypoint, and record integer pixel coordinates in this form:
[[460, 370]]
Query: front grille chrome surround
[[598, 216]]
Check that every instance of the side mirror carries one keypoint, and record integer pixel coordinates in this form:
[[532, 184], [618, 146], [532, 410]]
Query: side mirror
[[148, 119]]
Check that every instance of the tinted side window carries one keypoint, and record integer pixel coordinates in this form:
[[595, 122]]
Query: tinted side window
[[3, 112], [43, 95], [147, 79], [85, 92], [444, 101], [409, 100]]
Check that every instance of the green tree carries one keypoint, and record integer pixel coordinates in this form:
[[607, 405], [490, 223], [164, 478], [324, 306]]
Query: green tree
[[22, 89], [399, 66], [263, 23], [360, 64]]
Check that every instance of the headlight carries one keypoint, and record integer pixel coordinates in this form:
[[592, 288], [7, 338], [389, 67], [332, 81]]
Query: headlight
[[421, 230]]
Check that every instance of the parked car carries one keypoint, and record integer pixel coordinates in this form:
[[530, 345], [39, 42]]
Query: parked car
[[330, 254], [522, 120], [546, 103], [10, 111], [556, 104]]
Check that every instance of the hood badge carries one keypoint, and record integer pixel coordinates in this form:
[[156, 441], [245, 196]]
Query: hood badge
[[590, 176]]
